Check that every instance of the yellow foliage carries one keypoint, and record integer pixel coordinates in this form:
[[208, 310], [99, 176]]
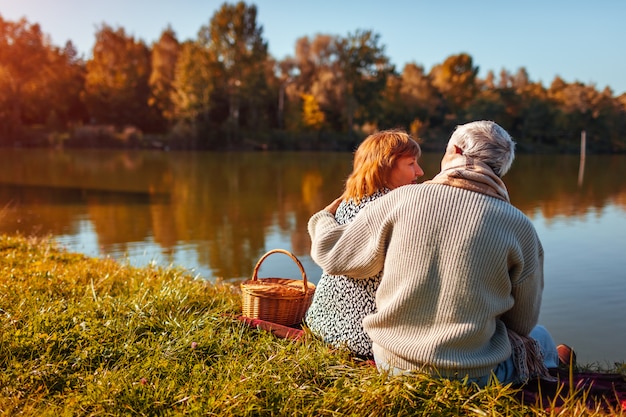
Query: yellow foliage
[[312, 116], [417, 128]]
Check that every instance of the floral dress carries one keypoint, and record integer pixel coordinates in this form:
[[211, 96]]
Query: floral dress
[[340, 303]]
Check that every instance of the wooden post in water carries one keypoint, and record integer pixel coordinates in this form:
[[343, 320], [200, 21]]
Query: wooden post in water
[[583, 152]]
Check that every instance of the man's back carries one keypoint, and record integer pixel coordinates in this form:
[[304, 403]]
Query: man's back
[[467, 258]]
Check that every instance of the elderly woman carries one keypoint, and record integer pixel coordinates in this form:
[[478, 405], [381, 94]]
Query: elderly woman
[[462, 278], [384, 161]]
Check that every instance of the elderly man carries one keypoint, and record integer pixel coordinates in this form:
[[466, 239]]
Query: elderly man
[[462, 268]]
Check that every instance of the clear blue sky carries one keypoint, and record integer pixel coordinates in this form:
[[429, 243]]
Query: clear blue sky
[[576, 40]]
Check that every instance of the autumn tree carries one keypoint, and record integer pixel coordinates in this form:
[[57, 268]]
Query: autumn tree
[[607, 132], [287, 109], [535, 127], [316, 74], [418, 92], [455, 79], [365, 69], [312, 116], [195, 76], [164, 56], [584, 108], [116, 85], [575, 112], [22, 53], [39, 83], [497, 100], [328, 89], [346, 76], [56, 99], [313, 55], [236, 42], [411, 101], [488, 104]]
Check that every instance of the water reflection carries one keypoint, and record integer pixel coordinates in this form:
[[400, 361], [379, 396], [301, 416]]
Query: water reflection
[[227, 205], [223, 203], [549, 184]]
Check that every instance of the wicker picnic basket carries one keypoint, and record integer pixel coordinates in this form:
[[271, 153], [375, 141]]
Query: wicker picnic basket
[[277, 300]]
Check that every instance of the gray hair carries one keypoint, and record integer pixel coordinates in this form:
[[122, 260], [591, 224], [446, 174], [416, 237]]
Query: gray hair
[[487, 142]]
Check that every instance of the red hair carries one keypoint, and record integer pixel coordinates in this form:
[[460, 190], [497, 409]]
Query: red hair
[[374, 159]]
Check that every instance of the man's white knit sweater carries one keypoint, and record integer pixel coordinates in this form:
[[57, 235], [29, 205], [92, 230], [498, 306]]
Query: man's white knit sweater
[[459, 267]]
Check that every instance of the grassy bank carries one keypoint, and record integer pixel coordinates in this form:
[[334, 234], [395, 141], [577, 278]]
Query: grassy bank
[[84, 336]]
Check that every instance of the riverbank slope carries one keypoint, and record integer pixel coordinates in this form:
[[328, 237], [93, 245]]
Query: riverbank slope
[[85, 336]]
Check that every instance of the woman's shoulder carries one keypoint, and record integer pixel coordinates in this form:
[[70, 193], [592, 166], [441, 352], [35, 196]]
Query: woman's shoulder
[[348, 209]]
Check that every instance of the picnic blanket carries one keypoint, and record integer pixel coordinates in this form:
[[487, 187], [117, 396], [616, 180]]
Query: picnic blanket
[[278, 330], [606, 390]]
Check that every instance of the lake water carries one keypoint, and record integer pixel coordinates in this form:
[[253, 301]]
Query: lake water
[[216, 214]]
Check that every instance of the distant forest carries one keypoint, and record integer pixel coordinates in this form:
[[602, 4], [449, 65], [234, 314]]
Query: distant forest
[[223, 91]]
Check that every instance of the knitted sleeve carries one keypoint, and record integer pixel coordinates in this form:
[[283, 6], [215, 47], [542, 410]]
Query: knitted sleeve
[[527, 286], [351, 249]]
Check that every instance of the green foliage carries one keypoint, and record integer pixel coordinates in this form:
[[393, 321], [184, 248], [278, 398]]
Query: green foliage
[[365, 69], [236, 41], [194, 81], [84, 336]]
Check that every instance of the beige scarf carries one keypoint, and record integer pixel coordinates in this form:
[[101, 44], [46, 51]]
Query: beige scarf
[[465, 172], [528, 358]]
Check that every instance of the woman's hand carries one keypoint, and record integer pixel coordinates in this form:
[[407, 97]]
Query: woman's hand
[[332, 207]]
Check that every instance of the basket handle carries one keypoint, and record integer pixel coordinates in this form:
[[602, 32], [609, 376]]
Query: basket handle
[[292, 256]]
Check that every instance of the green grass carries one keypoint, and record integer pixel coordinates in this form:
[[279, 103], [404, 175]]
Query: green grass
[[83, 336]]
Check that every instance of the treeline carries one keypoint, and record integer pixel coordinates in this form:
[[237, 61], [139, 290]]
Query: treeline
[[223, 90]]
